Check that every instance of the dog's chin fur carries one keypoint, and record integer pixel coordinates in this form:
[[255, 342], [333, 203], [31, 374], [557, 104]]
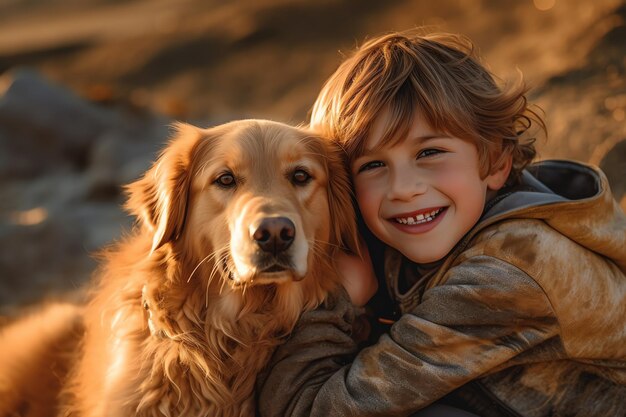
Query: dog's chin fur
[[168, 330]]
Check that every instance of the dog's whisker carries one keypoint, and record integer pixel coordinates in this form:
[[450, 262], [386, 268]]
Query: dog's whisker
[[333, 245], [200, 263], [208, 284], [200, 170], [321, 248], [207, 258], [323, 256], [212, 274], [216, 269], [220, 255], [222, 286], [317, 154]]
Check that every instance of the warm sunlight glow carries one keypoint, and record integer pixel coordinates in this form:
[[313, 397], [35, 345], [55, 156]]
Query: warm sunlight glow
[[544, 5], [29, 217]]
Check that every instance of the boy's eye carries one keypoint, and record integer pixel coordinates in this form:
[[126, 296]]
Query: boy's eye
[[428, 152], [370, 165]]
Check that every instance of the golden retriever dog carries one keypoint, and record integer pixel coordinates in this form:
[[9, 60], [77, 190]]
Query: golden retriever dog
[[239, 227]]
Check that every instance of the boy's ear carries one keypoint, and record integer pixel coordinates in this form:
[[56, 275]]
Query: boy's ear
[[499, 174]]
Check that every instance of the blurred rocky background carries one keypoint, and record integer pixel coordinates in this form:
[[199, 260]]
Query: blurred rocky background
[[88, 89]]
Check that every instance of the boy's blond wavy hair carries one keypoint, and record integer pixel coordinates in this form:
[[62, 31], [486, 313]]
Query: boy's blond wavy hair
[[438, 76]]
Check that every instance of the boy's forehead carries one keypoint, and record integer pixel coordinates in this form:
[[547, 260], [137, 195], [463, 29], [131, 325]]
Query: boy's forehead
[[381, 129]]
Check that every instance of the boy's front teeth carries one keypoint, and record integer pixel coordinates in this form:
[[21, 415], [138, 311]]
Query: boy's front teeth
[[420, 218]]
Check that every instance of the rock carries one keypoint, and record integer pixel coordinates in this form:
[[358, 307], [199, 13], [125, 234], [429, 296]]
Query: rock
[[115, 161], [63, 161], [585, 107], [610, 49], [44, 126], [56, 263]]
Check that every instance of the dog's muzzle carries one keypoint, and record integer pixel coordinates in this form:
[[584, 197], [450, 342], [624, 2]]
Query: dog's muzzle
[[267, 247], [274, 235]]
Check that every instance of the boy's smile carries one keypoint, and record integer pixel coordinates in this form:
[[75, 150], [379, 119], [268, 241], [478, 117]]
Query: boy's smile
[[419, 221], [422, 194]]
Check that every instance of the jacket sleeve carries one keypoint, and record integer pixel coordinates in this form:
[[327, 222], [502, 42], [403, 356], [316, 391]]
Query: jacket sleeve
[[486, 313]]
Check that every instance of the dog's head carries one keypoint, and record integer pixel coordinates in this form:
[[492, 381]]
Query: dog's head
[[258, 200]]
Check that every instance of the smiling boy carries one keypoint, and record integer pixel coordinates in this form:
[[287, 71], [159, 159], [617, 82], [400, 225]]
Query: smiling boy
[[506, 280], [429, 180]]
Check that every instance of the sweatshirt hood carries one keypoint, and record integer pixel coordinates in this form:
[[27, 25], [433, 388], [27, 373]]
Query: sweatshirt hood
[[571, 197]]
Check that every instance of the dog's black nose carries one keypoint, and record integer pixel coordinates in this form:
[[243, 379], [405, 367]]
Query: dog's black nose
[[275, 234]]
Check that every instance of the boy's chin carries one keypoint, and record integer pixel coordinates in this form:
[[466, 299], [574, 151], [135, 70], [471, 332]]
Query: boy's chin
[[424, 258]]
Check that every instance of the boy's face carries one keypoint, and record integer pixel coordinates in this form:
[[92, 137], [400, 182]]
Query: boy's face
[[422, 195]]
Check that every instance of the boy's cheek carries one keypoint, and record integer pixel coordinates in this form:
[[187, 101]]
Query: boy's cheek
[[367, 204]]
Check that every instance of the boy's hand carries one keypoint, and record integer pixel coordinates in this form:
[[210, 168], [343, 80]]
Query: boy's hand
[[357, 276]]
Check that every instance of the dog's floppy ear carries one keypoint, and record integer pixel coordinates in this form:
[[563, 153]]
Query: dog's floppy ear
[[343, 219], [159, 198]]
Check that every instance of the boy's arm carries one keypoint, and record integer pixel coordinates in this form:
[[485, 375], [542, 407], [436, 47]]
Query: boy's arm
[[486, 313]]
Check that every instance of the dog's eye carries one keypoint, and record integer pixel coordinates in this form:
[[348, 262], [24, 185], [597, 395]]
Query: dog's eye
[[226, 180], [300, 177]]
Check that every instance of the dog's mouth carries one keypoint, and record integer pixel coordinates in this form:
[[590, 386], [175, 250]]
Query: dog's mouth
[[266, 271], [273, 269], [272, 266]]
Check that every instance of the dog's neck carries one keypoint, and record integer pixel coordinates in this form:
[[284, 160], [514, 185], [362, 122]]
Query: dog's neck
[[215, 343], [232, 306], [215, 336], [205, 296]]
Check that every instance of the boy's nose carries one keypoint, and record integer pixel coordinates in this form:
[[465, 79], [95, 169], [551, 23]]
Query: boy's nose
[[405, 187]]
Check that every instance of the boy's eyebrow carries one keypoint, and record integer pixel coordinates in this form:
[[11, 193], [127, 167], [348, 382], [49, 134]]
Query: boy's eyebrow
[[428, 137], [425, 138]]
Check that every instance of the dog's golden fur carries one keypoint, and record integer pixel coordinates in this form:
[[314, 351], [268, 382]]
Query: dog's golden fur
[[183, 316]]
